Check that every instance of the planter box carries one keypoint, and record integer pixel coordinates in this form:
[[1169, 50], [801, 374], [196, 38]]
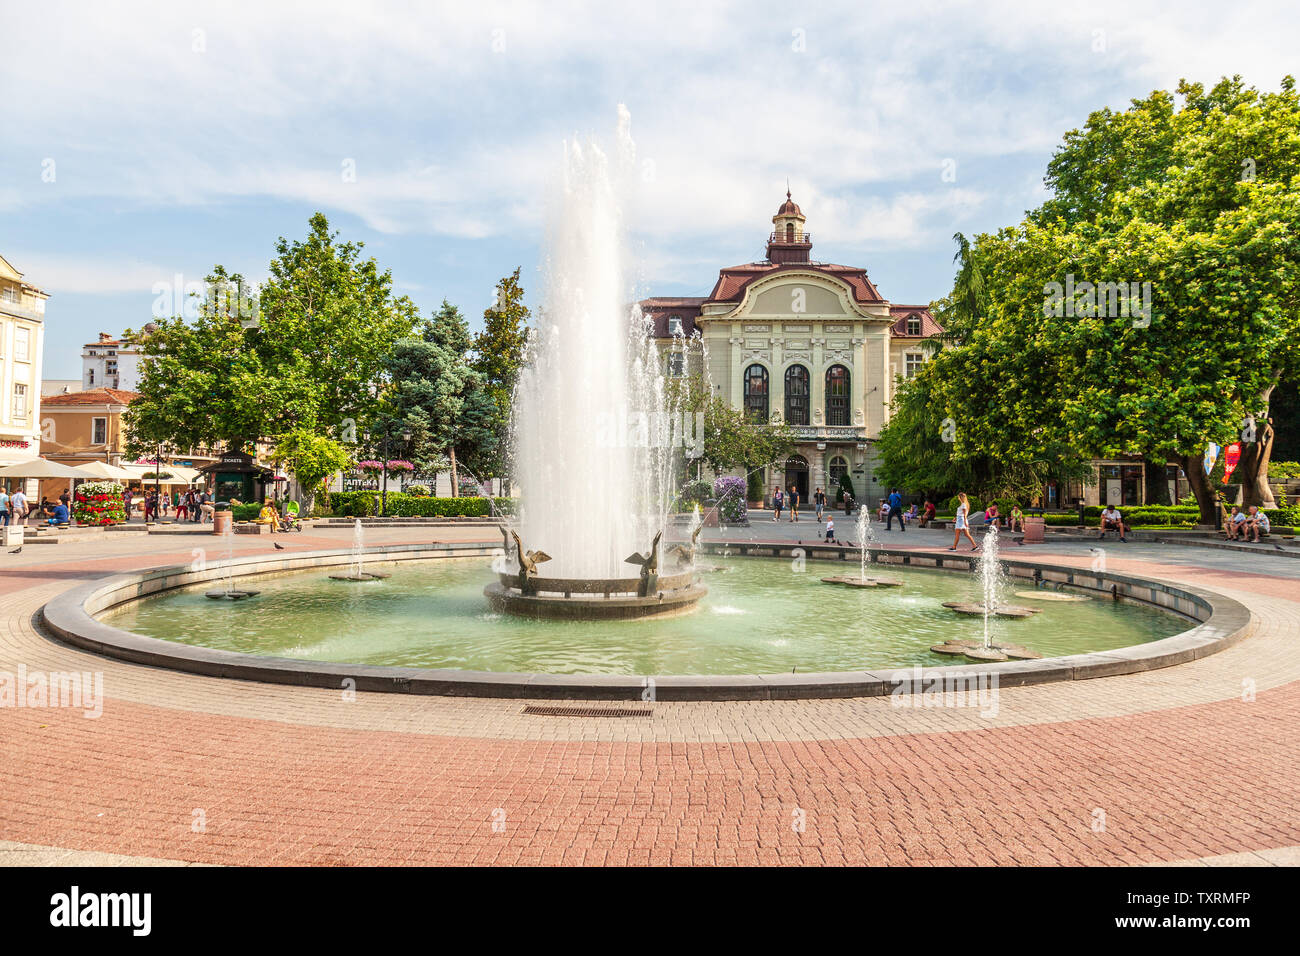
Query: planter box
[[1034, 530]]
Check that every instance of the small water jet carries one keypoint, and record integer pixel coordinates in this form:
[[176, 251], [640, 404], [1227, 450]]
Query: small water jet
[[230, 592], [356, 570], [991, 579], [866, 555]]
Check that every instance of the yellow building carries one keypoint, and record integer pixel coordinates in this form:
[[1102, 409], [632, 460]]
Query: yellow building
[[22, 330], [813, 344], [82, 427]]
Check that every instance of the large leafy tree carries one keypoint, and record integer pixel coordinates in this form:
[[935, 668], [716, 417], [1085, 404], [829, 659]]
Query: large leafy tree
[[306, 356], [1201, 201], [312, 458]]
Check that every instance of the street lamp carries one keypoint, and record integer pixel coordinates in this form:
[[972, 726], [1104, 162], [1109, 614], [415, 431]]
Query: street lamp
[[383, 486]]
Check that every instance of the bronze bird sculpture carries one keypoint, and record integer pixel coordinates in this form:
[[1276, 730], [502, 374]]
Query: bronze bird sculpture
[[686, 552], [649, 562], [528, 560]]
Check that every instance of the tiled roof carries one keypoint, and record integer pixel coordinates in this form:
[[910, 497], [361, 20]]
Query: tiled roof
[[658, 310], [929, 326], [95, 396], [732, 280]]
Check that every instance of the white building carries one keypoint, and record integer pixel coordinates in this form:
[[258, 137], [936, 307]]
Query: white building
[[111, 363], [813, 344], [22, 343]]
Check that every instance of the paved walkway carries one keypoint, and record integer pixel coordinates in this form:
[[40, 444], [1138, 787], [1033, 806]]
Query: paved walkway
[[1195, 762]]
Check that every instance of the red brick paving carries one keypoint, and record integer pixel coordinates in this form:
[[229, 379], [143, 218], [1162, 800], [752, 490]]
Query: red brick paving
[[1173, 784]]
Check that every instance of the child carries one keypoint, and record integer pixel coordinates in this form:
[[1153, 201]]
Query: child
[[830, 528]]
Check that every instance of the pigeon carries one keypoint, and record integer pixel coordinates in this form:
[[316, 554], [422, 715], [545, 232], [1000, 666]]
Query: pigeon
[[278, 545], [19, 549], [528, 560], [649, 562]]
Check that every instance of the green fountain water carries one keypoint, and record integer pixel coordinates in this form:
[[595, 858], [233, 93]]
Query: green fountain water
[[760, 617]]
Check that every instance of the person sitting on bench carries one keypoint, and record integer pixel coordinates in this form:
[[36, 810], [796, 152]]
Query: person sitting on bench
[[269, 516], [1112, 520], [1256, 524], [1235, 526]]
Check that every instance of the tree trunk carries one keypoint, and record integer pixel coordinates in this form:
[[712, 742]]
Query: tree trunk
[[455, 475], [1156, 481], [1253, 468], [308, 499], [1201, 487]]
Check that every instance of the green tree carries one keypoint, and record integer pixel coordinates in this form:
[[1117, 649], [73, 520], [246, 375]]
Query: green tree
[[312, 458], [1201, 202], [499, 353], [307, 354]]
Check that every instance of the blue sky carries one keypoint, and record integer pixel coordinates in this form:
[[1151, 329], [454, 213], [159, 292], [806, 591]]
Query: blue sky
[[183, 135]]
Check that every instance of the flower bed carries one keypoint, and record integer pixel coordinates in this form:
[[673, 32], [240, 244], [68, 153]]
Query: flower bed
[[99, 503]]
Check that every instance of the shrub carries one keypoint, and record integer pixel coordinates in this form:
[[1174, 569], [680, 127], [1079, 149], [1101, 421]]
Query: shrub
[[695, 493], [754, 485], [845, 488], [730, 492], [245, 512], [418, 491], [362, 504], [99, 503]]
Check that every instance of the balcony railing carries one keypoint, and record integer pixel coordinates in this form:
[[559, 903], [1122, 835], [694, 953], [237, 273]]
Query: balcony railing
[[824, 432], [779, 237]]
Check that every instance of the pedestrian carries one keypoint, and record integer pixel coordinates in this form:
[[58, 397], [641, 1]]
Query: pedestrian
[[206, 507], [793, 500], [895, 511], [150, 503], [778, 502], [962, 525], [183, 507], [4, 507], [830, 528], [18, 505], [126, 503], [819, 500]]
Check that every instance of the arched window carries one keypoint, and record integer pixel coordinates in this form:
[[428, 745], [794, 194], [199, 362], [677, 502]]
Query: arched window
[[837, 395], [796, 395], [837, 469], [756, 393], [789, 232], [913, 324]]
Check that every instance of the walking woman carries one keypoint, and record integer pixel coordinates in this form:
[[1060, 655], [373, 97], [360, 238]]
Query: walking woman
[[962, 525]]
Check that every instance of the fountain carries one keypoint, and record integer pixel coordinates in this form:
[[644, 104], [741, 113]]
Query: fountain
[[230, 592], [356, 570], [593, 435], [990, 573], [866, 547]]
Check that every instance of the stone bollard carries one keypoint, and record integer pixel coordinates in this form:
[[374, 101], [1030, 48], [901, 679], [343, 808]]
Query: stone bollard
[[221, 522], [13, 535], [1035, 530]]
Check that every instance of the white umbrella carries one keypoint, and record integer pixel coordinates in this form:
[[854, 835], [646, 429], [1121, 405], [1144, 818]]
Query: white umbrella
[[43, 468], [102, 469]]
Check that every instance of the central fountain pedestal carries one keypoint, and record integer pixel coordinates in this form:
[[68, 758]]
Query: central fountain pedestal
[[595, 598]]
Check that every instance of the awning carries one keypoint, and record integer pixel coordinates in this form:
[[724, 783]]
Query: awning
[[179, 474], [43, 468]]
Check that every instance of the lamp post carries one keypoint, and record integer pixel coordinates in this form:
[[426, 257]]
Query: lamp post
[[383, 484]]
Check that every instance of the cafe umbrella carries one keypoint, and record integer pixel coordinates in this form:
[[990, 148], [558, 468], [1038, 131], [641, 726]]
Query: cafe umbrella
[[42, 468]]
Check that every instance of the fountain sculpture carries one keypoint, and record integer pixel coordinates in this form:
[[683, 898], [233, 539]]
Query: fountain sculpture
[[593, 433]]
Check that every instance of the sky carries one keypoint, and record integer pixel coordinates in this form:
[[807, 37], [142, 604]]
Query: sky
[[145, 142]]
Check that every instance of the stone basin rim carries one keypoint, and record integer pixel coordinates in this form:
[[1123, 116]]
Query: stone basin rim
[[70, 618]]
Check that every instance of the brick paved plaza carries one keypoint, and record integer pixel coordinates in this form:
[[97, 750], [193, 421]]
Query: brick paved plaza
[[1181, 763]]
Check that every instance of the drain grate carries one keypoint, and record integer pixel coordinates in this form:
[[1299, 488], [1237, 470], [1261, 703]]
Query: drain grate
[[555, 710]]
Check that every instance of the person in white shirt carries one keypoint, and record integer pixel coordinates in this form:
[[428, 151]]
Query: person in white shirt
[[18, 504], [1256, 523], [1111, 519], [1236, 527]]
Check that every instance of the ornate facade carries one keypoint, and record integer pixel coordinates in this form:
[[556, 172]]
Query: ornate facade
[[810, 343]]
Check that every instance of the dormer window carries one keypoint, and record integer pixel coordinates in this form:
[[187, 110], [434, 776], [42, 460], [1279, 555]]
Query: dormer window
[[674, 325], [913, 324]]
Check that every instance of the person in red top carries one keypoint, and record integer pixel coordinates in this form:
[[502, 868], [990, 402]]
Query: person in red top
[[928, 514]]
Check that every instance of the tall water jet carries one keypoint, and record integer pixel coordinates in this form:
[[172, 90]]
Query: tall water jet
[[356, 567], [592, 434]]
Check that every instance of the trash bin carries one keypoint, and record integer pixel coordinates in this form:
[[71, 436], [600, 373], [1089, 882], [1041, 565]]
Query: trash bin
[[221, 522]]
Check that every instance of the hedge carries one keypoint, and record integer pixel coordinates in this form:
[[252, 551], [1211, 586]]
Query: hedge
[[362, 504]]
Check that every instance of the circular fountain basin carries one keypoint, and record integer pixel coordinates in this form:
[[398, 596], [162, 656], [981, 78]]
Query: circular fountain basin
[[762, 632]]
